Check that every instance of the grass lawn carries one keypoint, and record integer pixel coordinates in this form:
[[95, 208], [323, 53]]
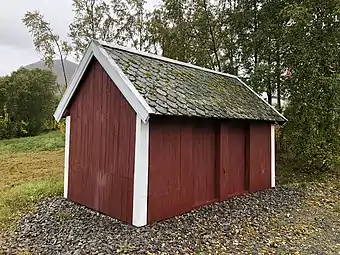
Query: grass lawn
[[31, 168]]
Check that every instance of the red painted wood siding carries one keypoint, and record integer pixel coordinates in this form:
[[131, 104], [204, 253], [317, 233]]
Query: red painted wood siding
[[233, 159], [259, 156], [182, 166], [204, 151], [102, 145], [193, 162]]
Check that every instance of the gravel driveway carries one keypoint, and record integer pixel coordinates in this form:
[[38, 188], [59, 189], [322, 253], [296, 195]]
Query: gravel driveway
[[267, 222]]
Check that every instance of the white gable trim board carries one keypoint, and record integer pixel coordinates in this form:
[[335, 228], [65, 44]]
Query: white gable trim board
[[130, 93], [73, 84], [141, 173], [67, 154], [272, 154]]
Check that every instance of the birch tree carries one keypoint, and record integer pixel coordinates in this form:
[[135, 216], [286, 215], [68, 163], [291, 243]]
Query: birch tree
[[46, 41]]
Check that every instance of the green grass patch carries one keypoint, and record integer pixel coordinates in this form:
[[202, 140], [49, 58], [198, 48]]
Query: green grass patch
[[20, 198], [45, 142], [31, 168]]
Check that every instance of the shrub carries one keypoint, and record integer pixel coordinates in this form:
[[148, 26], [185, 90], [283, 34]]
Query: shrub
[[310, 140], [29, 103]]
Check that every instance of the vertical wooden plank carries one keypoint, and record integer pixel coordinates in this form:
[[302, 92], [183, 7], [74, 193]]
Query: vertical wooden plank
[[223, 161], [247, 158], [236, 168], [259, 156], [204, 162], [186, 171], [122, 161], [233, 159], [157, 184]]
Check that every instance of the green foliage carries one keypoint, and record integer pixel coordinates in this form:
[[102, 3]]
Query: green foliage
[[4, 133], [188, 31], [312, 135], [46, 41], [115, 21], [29, 102], [311, 138], [45, 142]]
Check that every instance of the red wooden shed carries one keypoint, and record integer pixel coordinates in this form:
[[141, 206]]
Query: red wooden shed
[[148, 137]]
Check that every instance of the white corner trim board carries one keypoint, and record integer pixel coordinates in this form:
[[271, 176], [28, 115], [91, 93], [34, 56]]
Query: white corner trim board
[[141, 173], [272, 152], [130, 93], [67, 154]]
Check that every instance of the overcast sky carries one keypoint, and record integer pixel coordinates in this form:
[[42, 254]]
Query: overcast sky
[[16, 47]]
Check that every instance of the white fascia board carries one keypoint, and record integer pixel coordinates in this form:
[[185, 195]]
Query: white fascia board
[[187, 65], [125, 86], [141, 174], [272, 154], [130, 93], [67, 154]]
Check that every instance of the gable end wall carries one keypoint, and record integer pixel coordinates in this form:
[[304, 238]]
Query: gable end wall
[[102, 146]]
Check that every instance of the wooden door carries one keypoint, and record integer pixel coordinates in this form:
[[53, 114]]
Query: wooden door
[[204, 162]]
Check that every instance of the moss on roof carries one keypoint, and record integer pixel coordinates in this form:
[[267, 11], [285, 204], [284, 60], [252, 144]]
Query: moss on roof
[[174, 89]]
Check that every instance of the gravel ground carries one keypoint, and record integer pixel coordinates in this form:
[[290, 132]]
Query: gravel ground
[[275, 221]]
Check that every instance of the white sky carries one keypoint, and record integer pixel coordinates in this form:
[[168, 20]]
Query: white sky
[[16, 47]]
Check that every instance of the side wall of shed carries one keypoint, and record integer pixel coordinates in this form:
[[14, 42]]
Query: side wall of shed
[[102, 146], [194, 162]]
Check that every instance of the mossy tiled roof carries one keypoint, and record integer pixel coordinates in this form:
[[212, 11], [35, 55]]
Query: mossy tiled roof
[[173, 89]]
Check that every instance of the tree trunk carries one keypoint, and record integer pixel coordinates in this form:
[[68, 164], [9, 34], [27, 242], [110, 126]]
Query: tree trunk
[[212, 37], [279, 108], [269, 85], [61, 56], [269, 95], [278, 77], [63, 67]]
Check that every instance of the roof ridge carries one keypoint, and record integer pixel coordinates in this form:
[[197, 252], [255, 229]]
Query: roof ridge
[[173, 61], [158, 57]]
